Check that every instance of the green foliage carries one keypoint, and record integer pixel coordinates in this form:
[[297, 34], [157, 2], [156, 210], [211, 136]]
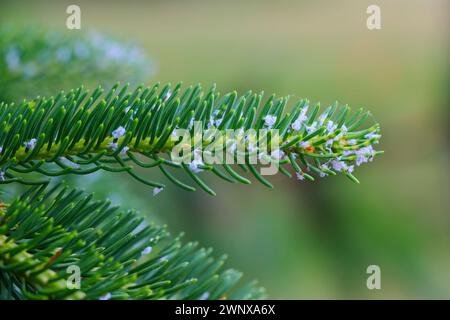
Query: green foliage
[[38, 61], [78, 133], [45, 231], [120, 256]]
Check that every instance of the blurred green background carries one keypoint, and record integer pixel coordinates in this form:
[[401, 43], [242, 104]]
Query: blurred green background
[[304, 240]]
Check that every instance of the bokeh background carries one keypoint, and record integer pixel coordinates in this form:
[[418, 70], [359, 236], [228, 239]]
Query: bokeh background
[[303, 240]]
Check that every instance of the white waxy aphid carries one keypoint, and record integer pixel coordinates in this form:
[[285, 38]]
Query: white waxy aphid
[[341, 166], [119, 132], [277, 154], [210, 123], [124, 151], [30, 144], [364, 155], [331, 127], [304, 144], [146, 251], [296, 125], [106, 296], [113, 145], [270, 120], [338, 165], [205, 295], [329, 143], [167, 96], [194, 166], [372, 135], [218, 122], [157, 190], [346, 153], [302, 116], [311, 128], [300, 176], [191, 124], [323, 166]]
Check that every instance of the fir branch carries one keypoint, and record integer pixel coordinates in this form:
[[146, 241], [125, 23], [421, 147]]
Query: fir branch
[[78, 133], [120, 256]]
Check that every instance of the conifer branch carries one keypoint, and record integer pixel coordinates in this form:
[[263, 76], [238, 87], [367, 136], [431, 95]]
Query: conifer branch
[[117, 131], [119, 255]]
